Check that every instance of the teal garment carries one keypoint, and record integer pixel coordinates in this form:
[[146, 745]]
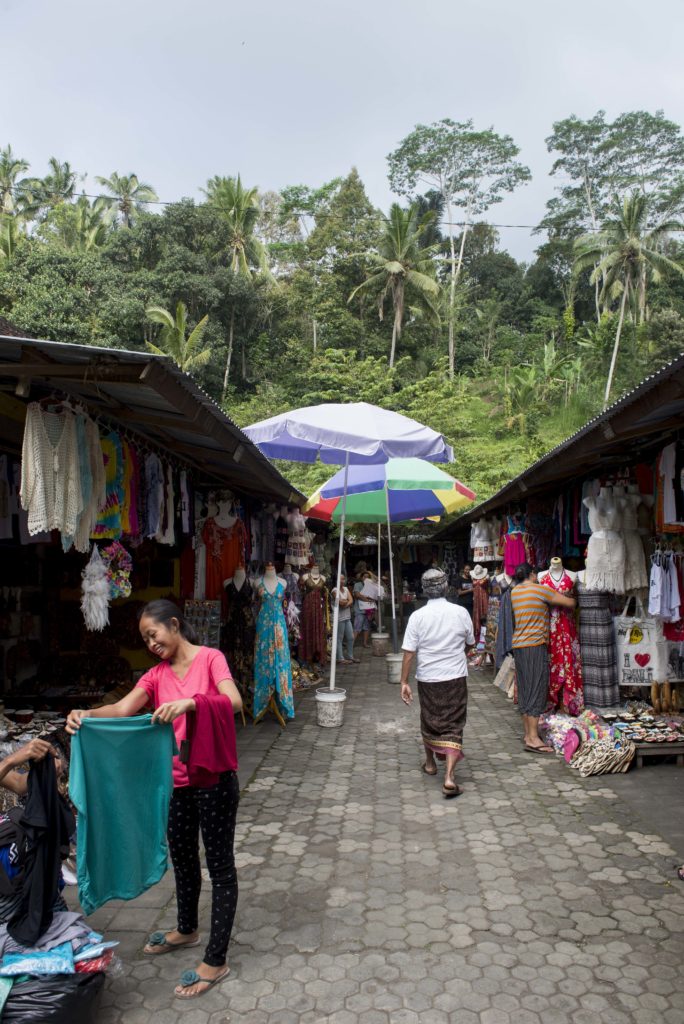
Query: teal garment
[[120, 783]]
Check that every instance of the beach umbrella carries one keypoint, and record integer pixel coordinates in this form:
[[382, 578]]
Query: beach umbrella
[[346, 434], [395, 492]]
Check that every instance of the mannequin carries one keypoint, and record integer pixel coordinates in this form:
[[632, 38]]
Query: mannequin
[[597, 646], [499, 584], [565, 666], [237, 636], [225, 518], [606, 556], [504, 580], [312, 645], [291, 578], [272, 666]]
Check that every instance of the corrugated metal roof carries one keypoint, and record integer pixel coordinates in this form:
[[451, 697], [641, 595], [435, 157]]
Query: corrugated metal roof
[[648, 419], [149, 395]]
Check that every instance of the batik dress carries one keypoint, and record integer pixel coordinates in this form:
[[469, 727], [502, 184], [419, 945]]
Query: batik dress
[[238, 636], [272, 668], [565, 663]]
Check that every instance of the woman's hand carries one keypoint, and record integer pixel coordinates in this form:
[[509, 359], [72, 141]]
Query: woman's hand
[[74, 719], [172, 710], [406, 693], [35, 750]]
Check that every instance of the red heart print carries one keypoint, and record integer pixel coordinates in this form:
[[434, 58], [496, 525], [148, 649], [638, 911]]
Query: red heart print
[[642, 660]]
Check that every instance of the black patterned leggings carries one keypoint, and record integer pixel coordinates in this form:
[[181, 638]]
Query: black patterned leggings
[[213, 810]]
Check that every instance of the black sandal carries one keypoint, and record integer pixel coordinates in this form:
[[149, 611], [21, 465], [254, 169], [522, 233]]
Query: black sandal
[[451, 791], [424, 768]]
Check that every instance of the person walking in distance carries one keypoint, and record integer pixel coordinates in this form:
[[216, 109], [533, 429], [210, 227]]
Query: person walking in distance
[[437, 636]]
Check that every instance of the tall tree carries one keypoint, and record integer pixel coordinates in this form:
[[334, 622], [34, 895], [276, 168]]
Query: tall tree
[[470, 169], [402, 270], [239, 210], [82, 226], [128, 195], [624, 254], [186, 352], [57, 186], [12, 186]]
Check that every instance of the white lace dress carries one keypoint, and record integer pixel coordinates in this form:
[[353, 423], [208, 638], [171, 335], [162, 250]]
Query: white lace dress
[[606, 553], [636, 572], [51, 472]]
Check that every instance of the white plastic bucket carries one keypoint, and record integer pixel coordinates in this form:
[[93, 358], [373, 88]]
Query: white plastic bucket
[[380, 644], [394, 662], [330, 707]]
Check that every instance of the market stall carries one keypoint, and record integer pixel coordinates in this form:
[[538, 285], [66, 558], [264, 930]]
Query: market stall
[[120, 482], [601, 517]]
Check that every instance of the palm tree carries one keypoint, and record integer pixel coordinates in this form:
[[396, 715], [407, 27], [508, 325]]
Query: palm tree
[[9, 236], [402, 269], [128, 195], [187, 353], [239, 209], [58, 185], [624, 254], [12, 187], [82, 226]]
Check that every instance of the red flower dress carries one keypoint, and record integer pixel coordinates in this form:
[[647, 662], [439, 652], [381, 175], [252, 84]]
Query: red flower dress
[[565, 666]]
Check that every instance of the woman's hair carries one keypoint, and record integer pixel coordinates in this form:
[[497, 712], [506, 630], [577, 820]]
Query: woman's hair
[[163, 611], [523, 572]]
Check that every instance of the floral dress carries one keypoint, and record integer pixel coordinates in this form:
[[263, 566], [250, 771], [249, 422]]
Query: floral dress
[[272, 668], [565, 665]]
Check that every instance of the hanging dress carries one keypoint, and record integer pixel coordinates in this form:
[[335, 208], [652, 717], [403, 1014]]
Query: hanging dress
[[297, 552], [480, 605], [565, 664], [272, 668], [636, 572], [238, 636], [312, 645], [515, 552], [605, 565], [497, 589], [597, 646]]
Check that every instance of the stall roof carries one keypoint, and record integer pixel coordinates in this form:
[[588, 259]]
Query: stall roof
[[148, 395], [636, 425]]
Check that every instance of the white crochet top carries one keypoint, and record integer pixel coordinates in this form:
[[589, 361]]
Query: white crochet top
[[50, 472]]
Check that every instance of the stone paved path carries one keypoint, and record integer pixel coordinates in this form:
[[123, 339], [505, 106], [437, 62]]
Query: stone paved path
[[535, 898]]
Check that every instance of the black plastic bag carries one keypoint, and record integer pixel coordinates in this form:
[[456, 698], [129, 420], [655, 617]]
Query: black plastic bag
[[55, 999]]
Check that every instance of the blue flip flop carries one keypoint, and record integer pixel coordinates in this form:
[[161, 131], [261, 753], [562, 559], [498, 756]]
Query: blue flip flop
[[190, 978]]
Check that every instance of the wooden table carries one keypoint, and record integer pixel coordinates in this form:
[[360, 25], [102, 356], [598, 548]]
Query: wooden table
[[646, 750]]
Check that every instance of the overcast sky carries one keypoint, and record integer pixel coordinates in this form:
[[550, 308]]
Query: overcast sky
[[286, 91]]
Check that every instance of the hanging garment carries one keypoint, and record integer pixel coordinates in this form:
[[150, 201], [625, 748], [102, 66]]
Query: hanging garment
[[280, 544], [659, 587], [565, 665], [297, 552], [49, 825], [187, 518], [212, 747], [225, 552], [239, 634], [312, 645], [480, 605], [636, 572], [597, 647], [108, 526], [167, 526], [120, 783], [605, 564], [131, 523], [95, 494], [267, 537], [154, 494], [515, 552], [292, 592], [497, 590], [480, 534], [272, 666], [50, 471]]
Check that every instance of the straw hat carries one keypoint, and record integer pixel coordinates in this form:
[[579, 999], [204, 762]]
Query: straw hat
[[479, 573]]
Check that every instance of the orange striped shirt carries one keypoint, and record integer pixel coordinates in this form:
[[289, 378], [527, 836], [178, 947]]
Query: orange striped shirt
[[531, 612]]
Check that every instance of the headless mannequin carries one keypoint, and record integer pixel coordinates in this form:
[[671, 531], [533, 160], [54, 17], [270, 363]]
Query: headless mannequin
[[270, 579], [238, 579], [314, 575], [504, 580], [556, 570]]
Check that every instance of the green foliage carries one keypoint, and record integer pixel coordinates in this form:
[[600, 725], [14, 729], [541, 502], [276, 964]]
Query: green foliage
[[187, 352]]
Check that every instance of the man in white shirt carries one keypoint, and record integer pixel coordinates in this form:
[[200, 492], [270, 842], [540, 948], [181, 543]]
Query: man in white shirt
[[438, 636]]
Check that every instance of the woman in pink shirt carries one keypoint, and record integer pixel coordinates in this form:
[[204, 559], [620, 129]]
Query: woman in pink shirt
[[186, 671]]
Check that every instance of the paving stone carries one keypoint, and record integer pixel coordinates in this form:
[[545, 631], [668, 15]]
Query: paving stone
[[368, 899]]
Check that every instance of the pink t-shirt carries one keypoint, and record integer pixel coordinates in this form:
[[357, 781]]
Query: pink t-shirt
[[161, 684]]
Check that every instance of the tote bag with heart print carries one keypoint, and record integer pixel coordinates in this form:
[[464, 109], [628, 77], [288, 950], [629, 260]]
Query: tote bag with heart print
[[642, 653]]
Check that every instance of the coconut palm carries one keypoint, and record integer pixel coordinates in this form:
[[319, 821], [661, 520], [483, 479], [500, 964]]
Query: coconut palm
[[187, 353], [81, 226], [128, 195], [239, 209], [9, 236], [402, 269], [12, 187], [58, 185], [625, 254]]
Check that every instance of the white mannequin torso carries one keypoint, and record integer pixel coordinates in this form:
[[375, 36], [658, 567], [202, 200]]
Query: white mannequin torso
[[238, 578], [270, 580]]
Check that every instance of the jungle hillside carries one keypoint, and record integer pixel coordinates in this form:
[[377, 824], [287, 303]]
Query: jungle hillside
[[311, 294]]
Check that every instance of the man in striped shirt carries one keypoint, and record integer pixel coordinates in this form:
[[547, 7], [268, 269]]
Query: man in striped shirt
[[530, 603]]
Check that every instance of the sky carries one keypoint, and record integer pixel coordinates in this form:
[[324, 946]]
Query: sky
[[290, 91]]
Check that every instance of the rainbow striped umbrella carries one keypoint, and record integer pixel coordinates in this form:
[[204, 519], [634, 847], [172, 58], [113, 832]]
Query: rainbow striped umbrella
[[399, 490]]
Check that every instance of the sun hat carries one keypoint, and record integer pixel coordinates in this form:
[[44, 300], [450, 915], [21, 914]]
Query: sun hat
[[479, 572]]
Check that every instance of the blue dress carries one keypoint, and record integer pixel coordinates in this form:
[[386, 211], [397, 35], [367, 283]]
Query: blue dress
[[272, 668]]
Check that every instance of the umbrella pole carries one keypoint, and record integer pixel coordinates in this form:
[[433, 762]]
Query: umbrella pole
[[379, 577], [395, 638], [336, 604]]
